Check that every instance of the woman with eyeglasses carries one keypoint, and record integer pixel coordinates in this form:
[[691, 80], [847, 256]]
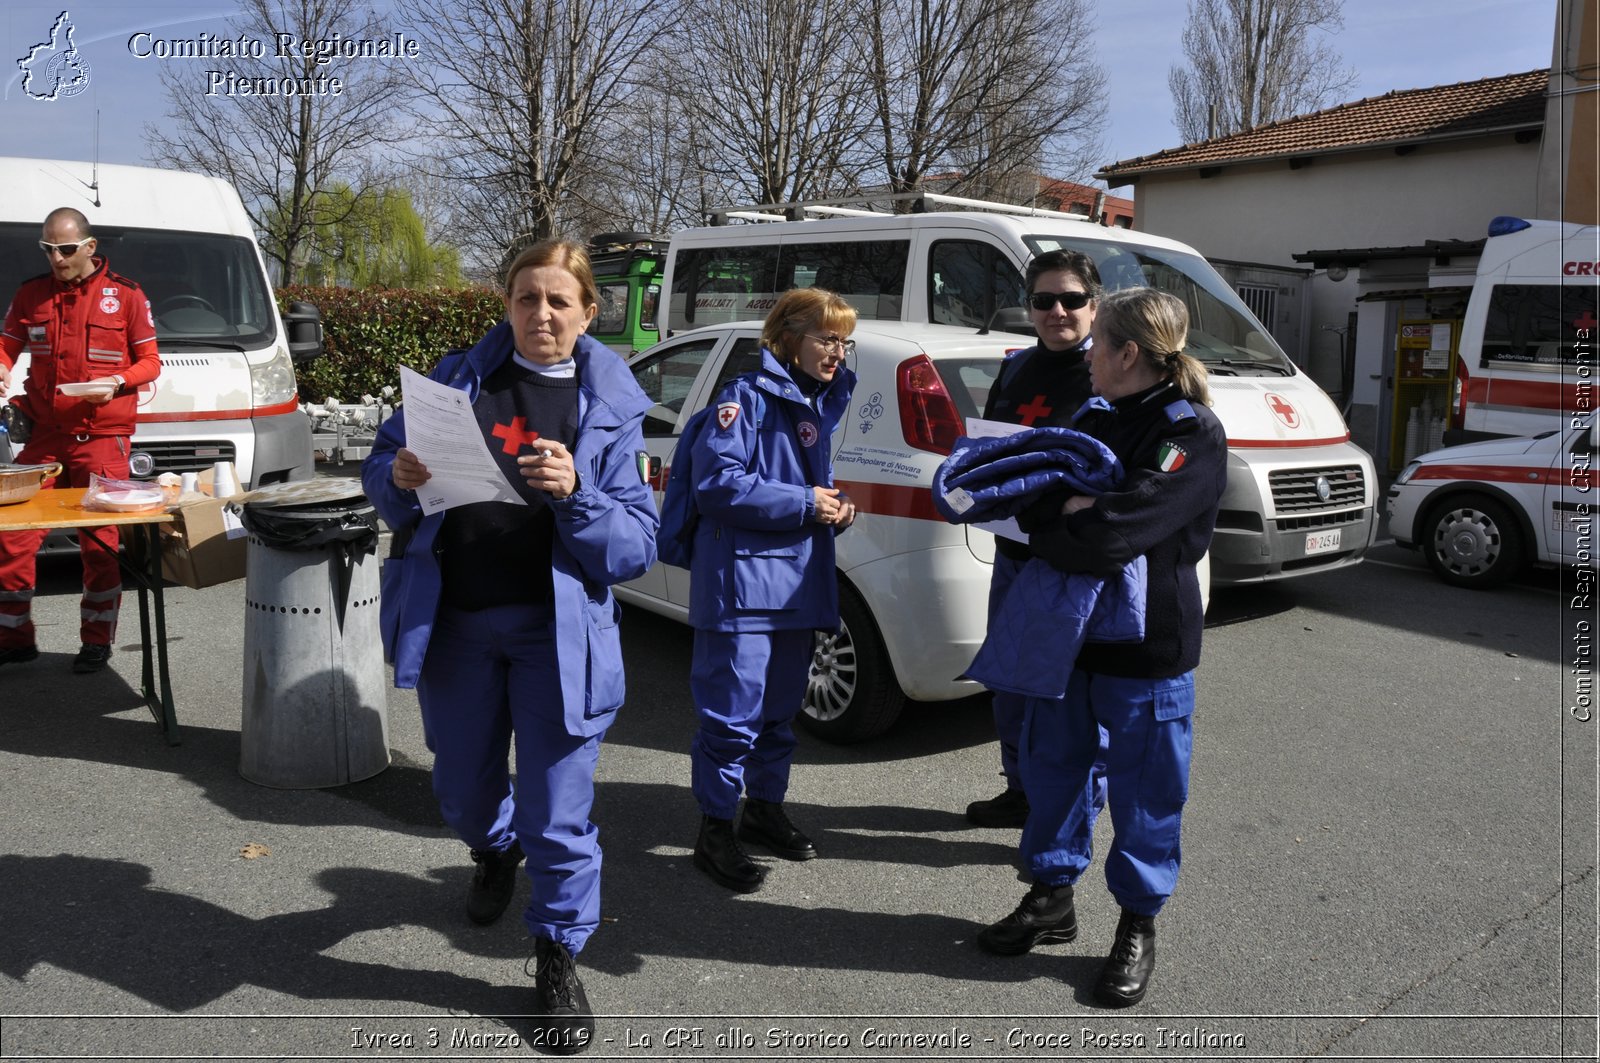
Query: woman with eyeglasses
[[762, 576], [1041, 386], [501, 615]]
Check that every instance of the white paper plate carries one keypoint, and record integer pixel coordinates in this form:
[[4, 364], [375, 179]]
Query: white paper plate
[[131, 501], [88, 387]]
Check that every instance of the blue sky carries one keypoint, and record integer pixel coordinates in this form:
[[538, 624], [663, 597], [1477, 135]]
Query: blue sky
[[1393, 44]]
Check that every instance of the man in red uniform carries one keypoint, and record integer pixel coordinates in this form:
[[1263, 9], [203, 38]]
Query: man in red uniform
[[81, 323]]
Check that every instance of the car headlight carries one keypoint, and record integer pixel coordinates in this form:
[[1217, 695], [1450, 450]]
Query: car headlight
[[1407, 473], [272, 382]]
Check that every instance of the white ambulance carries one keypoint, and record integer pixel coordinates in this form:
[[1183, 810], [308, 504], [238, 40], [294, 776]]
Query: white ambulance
[[227, 386], [1301, 497], [1527, 361]]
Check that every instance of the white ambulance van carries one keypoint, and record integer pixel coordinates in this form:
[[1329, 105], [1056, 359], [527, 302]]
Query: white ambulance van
[[227, 386], [1301, 497], [1526, 362]]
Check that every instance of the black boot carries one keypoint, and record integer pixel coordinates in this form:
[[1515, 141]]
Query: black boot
[[1008, 809], [1127, 972], [492, 883], [765, 823], [718, 853], [1046, 916], [563, 1022]]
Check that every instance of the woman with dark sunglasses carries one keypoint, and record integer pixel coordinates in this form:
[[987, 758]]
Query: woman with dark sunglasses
[[1043, 385]]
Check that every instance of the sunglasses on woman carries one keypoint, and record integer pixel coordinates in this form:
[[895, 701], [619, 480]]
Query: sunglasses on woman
[[1042, 301]]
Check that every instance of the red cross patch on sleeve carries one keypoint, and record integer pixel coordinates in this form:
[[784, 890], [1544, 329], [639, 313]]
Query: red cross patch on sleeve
[[727, 413]]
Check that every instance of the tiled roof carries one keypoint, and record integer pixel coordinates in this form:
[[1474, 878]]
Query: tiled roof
[[1405, 116]]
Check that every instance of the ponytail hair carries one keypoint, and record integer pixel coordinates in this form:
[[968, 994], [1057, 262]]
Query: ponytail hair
[[1157, 323]]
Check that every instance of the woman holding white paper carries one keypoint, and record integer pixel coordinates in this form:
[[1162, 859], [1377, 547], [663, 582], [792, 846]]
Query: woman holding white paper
[[501, 614]]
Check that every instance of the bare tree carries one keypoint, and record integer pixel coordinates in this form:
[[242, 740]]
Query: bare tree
[[970, 91], [771, 96], [518, 99], [653, 186], [1252, 62], [281, 127]]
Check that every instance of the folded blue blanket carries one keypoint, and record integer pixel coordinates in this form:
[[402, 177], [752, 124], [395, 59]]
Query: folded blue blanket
[[1046, 615]]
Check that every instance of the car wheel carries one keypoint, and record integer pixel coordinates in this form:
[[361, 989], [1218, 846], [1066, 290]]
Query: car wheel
[[851, 694], [1473, 541]]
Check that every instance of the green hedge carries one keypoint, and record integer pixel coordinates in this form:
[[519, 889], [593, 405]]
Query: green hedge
[[371, 334]]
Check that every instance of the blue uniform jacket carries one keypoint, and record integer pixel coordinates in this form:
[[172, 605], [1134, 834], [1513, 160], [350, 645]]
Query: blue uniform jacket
[[605, 530], [987, 479], [760, 563]]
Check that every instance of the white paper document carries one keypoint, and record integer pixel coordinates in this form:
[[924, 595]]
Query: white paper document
[[442, 431], [978, 428]]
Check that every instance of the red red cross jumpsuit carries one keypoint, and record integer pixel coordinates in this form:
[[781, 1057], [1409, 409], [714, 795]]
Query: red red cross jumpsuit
[[98, 327]]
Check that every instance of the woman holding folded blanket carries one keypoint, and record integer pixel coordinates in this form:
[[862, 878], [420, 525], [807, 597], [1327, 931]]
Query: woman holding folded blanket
[[1174, 455]]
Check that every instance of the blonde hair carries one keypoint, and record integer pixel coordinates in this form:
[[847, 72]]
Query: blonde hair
[[800, 310], [568, 255], [1157, 323]]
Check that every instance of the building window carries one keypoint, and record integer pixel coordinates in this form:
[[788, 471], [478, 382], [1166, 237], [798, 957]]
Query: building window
[[1262, 299]]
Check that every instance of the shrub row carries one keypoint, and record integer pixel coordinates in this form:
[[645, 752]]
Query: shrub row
[[370, 334]]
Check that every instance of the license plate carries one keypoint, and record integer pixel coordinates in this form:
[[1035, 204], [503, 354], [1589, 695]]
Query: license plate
[[1322, 542]]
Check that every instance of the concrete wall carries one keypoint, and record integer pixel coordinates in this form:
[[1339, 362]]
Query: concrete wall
[[1266, 212]]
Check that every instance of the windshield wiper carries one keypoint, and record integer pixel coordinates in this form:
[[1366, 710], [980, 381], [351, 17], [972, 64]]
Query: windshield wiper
[[176, 341]]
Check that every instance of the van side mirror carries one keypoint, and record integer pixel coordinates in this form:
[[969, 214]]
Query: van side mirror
[[1009, 319], [303, 323]]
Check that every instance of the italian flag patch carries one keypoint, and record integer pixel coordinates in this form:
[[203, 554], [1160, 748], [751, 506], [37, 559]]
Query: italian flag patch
[[1171, 457]]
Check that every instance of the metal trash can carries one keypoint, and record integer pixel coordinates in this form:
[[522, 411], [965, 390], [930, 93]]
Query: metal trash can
[[315, 699]]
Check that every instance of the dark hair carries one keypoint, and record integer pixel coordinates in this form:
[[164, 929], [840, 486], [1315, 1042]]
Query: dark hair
[[1157, 323], [567, 254], [1077, 263]]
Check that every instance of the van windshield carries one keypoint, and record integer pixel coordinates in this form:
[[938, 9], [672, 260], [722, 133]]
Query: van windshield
[[205, 289], [1222, 332]]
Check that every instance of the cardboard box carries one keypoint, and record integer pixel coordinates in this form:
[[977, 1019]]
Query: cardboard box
[[205, 544]]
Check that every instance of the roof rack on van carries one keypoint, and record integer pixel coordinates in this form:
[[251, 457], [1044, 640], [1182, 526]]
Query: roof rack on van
[[800, 209]]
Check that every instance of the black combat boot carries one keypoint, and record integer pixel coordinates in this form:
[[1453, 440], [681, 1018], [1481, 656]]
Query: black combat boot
[[1127, 972], [765, 823], [718, 853], [1007, 809], [492, 883], [1046, 916], [563, 1021]]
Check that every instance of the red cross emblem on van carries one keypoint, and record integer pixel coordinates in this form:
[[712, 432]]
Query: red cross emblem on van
[[1283, 411]]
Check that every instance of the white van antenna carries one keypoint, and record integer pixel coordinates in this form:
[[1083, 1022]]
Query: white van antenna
[[94, 178]]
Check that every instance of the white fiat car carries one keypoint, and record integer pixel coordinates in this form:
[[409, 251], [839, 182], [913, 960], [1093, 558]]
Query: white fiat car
[[913, 590], [1482, 512]]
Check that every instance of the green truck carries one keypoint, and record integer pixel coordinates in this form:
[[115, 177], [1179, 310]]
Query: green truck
[[627, 272]]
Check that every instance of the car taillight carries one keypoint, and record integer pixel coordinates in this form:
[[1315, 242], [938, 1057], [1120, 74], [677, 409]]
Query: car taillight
[[928, 418]]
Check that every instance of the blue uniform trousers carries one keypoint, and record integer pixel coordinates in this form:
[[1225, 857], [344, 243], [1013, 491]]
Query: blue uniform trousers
[[491, 676], [1010, 708], [747, 687], [1148, 722]]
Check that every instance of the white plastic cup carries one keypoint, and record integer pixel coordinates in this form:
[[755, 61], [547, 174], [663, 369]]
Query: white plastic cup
[[191, 483], [222, 480]]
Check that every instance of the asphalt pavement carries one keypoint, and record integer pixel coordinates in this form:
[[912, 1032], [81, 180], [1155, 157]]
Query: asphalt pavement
[[1389, 853]]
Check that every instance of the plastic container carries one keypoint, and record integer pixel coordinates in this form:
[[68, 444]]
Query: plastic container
[[315, 695]]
